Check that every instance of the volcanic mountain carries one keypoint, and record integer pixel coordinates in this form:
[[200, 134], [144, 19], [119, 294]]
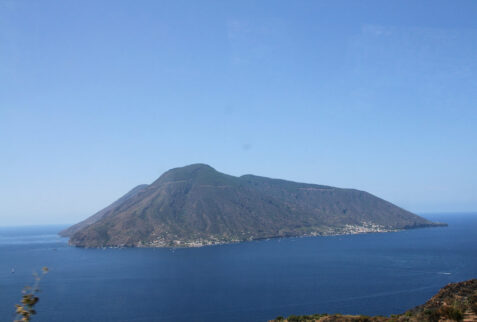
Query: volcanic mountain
[[196, 205]]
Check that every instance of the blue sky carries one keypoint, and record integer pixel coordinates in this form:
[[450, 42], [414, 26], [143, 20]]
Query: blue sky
[[99, 96]]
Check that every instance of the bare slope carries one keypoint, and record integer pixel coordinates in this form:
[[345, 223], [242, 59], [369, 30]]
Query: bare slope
[[196, 205], [97, 216]]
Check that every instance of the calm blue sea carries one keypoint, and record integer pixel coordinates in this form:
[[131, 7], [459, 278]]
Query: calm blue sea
[[255, 281]]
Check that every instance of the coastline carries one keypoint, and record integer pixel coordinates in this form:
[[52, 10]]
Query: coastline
[[365, 228]]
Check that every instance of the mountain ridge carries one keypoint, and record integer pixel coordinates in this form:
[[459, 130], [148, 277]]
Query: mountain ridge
[[196, 205], [97, 216]]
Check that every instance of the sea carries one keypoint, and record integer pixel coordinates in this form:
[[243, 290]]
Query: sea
[[371, 274]]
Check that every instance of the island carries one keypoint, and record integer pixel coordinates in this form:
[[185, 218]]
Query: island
[[196, 205]]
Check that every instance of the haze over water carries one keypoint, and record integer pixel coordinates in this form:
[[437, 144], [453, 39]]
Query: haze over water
[[253, 281]]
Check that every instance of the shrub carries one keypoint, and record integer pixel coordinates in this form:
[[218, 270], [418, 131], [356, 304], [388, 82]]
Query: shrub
[[25, 310], [451, 313], [432, 315], [294, 318], [473, 303]]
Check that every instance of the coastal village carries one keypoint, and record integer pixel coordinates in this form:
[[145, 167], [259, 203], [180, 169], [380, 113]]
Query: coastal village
[[363, 228]]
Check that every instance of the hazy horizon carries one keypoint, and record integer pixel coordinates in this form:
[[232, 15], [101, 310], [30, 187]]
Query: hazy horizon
[[427, 215], [98, 97]]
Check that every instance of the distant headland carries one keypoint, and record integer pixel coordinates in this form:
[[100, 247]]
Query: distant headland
[[196, 205]]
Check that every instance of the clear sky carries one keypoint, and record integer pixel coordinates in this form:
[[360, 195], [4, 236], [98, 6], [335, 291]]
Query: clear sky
[[99, 96]]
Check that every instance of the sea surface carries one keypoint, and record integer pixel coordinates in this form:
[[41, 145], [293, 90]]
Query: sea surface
[[380, 273]]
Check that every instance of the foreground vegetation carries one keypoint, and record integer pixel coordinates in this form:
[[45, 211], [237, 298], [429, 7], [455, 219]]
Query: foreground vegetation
[[26, 308], [454, 302]]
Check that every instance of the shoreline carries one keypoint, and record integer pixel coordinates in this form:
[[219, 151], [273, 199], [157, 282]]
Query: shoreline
[[216, 241]]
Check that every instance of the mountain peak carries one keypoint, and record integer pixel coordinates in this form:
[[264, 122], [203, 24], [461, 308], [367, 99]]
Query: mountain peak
[[196, 173], [192, 167], [195, 167]]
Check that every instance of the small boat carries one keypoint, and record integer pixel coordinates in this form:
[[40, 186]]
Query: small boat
[[13, 270]]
